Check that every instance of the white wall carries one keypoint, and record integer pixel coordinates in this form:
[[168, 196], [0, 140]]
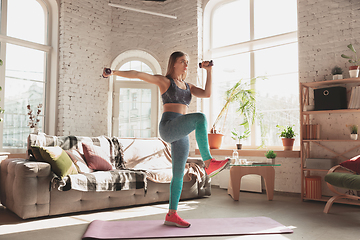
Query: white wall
[[84, 47]]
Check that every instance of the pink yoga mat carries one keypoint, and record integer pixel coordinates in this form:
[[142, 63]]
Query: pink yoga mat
[[199, 227]]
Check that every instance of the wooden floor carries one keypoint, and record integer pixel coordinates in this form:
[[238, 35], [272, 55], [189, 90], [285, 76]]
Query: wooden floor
[[307, 218]]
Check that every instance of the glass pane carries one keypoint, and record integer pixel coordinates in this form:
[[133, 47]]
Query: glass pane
[[135, 112], [276, 60], [16, 130], [146, 68], [24, 84], [274, 17], [134, 65], [278, 106], [26, 20], [227, 72], [226, 22]]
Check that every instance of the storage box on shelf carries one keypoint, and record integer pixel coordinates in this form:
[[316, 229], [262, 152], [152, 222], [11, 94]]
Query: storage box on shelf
[[310, 135]]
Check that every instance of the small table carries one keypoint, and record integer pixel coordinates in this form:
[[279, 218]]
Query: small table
[[237, 171]]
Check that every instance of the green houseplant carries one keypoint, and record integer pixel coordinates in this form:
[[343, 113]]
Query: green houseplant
[[337, 73], [236, 135], [354, 69], [241, 94], [271, 155], [353, 132], [287, 135]]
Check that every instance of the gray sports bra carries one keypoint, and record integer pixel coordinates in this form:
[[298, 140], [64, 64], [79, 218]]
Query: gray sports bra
[[174, 94]]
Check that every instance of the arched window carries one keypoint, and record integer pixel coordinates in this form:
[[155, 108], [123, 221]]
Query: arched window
[[248, 39], [28, 76], [135, 102]]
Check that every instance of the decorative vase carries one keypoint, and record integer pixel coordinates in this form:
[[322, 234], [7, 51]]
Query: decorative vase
[[288, 143], [354, 71], [215, 140], [354, 136], [35, 130], [238, 146]]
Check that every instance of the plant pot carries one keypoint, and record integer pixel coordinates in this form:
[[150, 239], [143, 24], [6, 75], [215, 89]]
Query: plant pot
[[288, 143], [238, 146], [215, 140], [337, 76], [354, 71], [271, 161], [354, 136]]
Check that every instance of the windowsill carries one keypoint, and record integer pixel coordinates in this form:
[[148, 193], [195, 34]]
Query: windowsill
[[252, 153], [17, 155]]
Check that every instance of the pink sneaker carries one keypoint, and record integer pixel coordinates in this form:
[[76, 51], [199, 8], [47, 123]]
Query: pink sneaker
[[175, 220], [216, 166]]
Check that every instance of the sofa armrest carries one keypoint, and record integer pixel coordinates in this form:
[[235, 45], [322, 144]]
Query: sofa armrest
[[25, 187], [196, 160]]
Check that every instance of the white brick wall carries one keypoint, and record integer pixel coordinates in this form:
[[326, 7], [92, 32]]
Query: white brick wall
[[325, 29], [84, 50]]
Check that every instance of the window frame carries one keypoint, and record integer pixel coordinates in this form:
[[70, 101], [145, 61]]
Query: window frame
[[51, 12], [251, 46], [121, 59]]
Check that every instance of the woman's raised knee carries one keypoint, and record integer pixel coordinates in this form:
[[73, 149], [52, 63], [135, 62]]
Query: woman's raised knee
[[200, 116]]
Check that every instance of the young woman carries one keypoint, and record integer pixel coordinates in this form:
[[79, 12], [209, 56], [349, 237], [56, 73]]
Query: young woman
[[176, 123]]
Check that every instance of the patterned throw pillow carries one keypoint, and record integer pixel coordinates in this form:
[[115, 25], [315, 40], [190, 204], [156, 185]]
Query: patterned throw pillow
[[60, 162], [353, 164], [96, 158], [78, 161]]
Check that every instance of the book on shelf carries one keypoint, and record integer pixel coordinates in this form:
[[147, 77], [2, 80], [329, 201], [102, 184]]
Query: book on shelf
[[311, 131], [354, 100]]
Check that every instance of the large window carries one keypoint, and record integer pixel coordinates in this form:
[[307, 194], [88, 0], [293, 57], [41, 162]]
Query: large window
[[26, 49], [136, 103], [255, 38]]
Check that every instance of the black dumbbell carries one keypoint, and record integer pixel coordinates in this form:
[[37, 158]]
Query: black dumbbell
[[107, 71], [210, 64]]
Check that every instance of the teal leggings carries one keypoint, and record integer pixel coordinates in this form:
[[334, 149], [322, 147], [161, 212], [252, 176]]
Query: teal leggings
[[174, 128]]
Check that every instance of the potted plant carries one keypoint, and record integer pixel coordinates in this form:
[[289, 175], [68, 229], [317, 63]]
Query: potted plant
[[287, 135], [337, 73], [353, 132], [353, 70], [271, 155], [244, 96], [237, 136]]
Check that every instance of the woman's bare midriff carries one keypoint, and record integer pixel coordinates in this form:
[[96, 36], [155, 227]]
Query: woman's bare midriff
[[175, 107]]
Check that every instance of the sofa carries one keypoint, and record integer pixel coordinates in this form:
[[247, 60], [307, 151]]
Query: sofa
[[103, 173]]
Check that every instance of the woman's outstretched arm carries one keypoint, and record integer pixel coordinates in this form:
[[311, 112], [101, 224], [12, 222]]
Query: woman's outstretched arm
[[159, 80]]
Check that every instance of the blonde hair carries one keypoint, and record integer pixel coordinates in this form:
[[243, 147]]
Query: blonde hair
[[172, 60]]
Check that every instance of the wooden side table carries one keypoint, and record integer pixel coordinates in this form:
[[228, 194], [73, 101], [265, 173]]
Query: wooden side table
[[237, 171]]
